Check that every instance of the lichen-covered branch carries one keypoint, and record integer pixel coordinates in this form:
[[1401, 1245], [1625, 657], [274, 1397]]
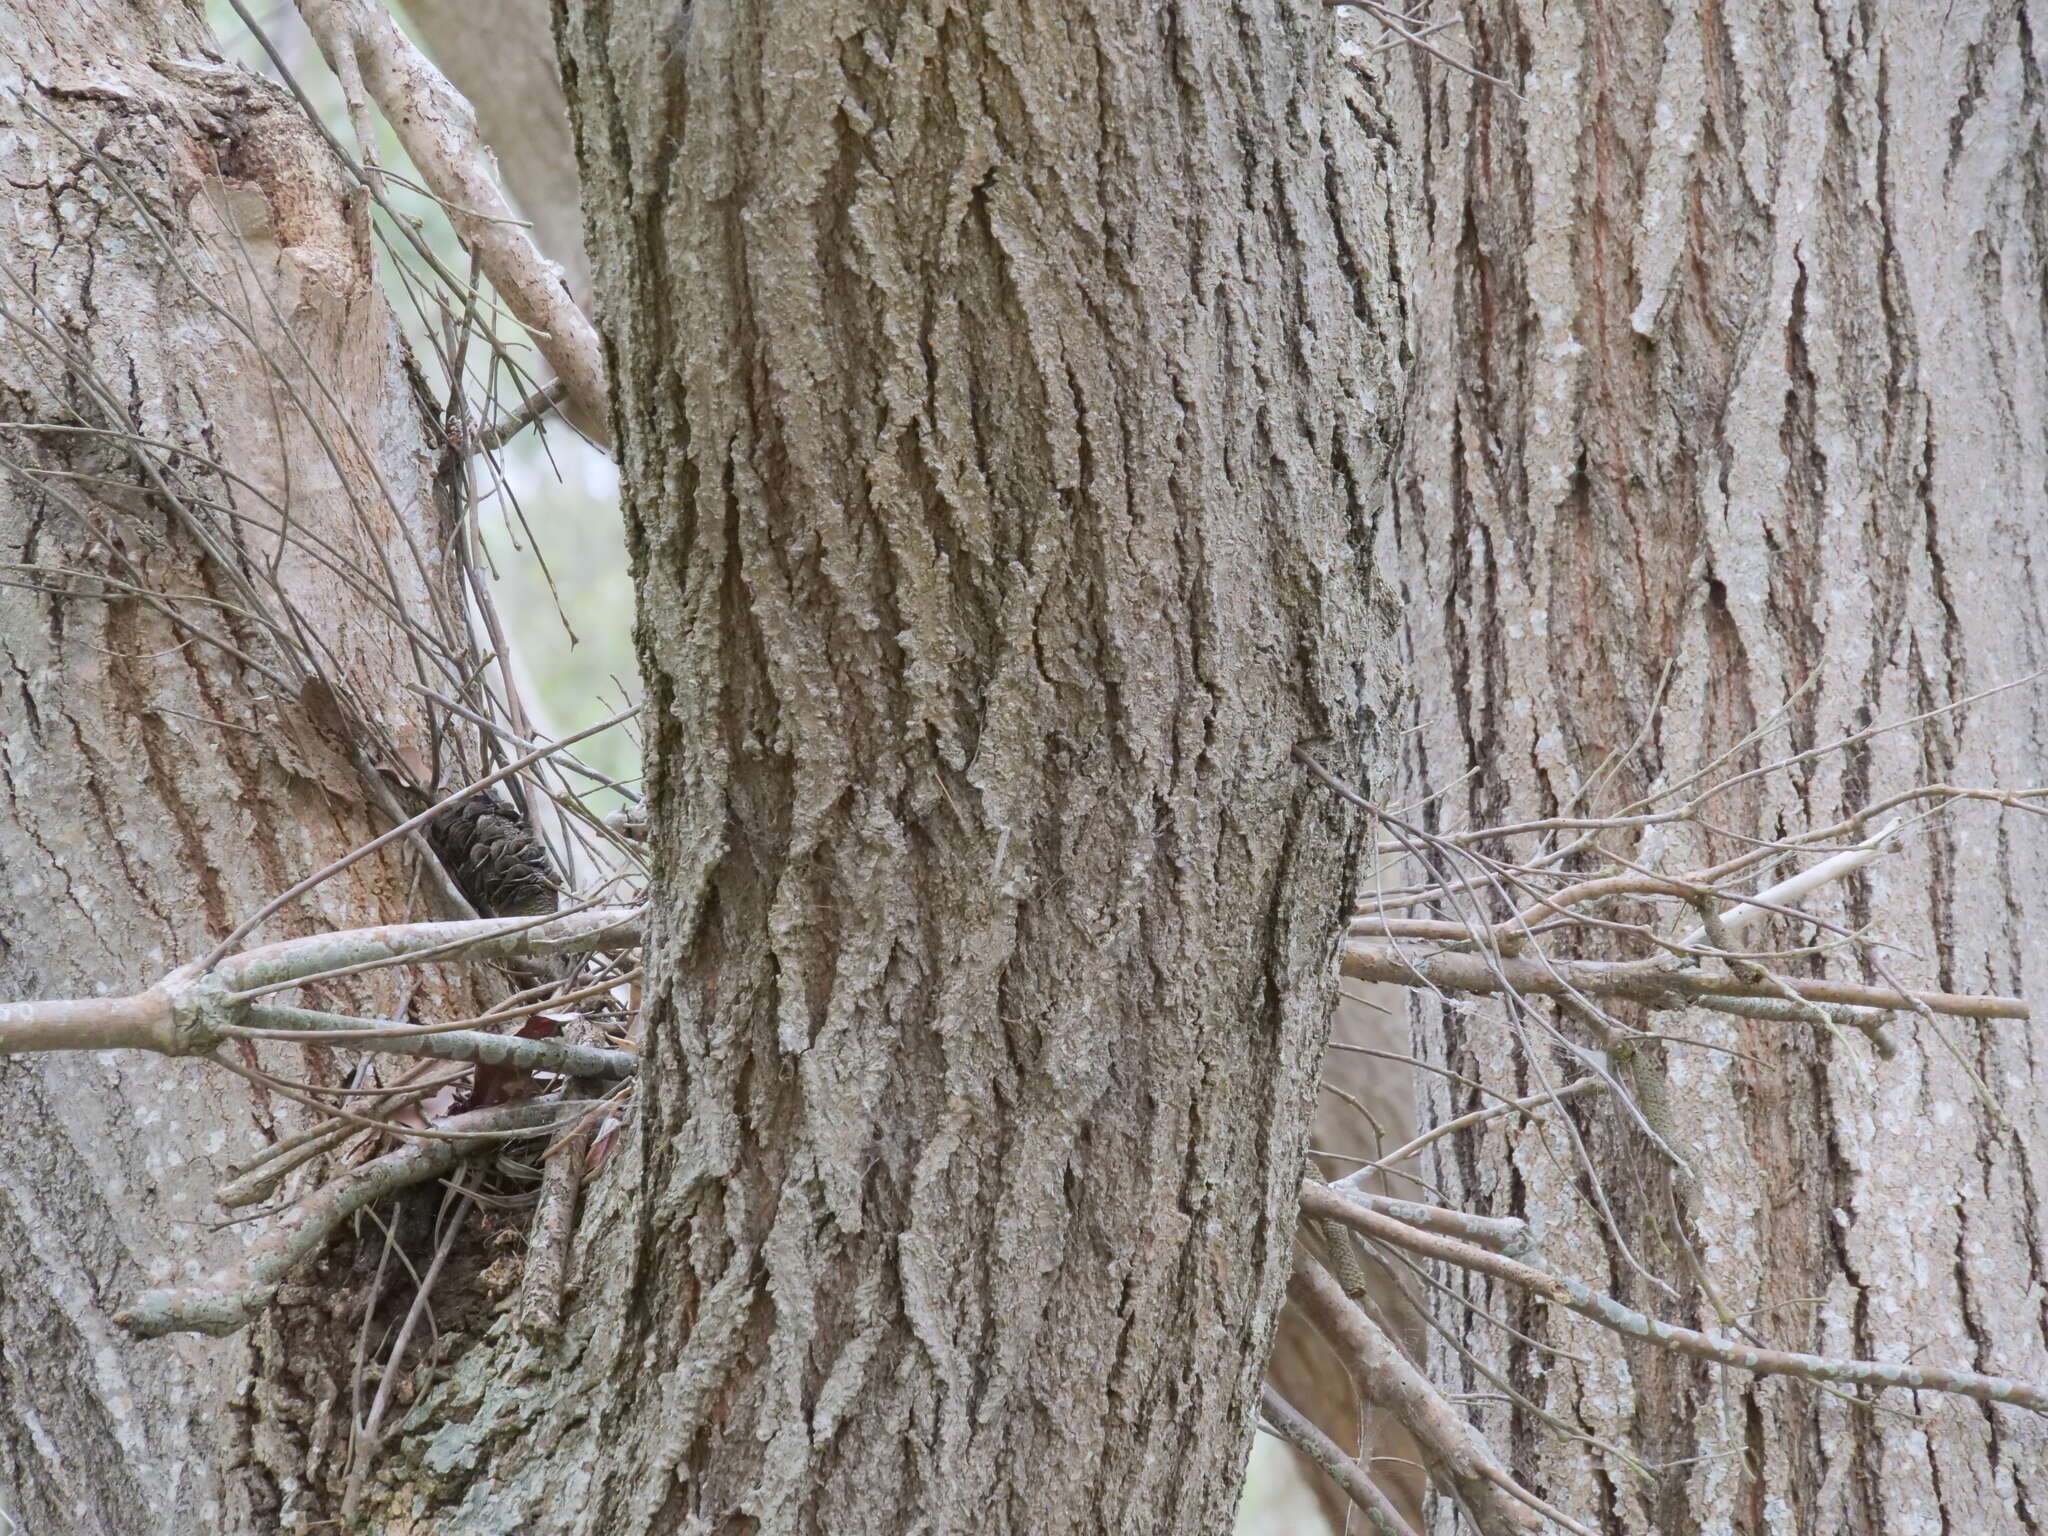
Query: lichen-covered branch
[[230, 1299], [562, 1056], [485, 938], [190, 1011]]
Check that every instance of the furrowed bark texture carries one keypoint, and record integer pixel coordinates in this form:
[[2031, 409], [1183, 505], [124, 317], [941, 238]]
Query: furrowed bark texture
[[1001, 400], [170, 222], [1734, 360]]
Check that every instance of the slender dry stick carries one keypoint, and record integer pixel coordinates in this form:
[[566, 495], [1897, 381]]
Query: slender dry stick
[[269, 1022], [350, 951], [1534, 1101], [1395, 23], [437, 127], [366, 1443], [1461, 1464], [1322, 1203], [1503, 1234], [567, 759], [554, 1218], [1596, 1191], [523, 415], [306, 1095], [231, 1298], [1293, 1427], [259, 1177], [1562, 978], [362, 1350], [1508, 1391], [395, 1029]]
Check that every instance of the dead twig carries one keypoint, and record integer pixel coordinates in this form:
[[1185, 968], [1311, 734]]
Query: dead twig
[[229, 1300], [1322, 1203], [1462, 1465], [1292, 1426]]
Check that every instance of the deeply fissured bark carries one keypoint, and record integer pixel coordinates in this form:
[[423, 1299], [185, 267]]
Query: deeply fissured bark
[[1000, 399], [1731, 425]]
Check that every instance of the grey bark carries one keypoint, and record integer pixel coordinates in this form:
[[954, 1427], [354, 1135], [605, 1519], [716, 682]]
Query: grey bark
[[1733, 359], [1001, 403], [169, 224]]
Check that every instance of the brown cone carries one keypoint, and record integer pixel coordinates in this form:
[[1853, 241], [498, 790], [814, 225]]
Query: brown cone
[[494, 857]]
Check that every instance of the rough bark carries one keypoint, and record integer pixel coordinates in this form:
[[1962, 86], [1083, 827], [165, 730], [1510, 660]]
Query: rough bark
[[1000, 401], [1734, 360], [170, 223]]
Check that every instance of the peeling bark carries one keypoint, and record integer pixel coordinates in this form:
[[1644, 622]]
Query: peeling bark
[[1739, 366]]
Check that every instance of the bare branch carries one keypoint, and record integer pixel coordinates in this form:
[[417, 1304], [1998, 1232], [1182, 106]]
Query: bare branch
[[269, 1021], [1461, 1463], [191, 1011], [438, 128], [1321, 1202], [366, 1443], [1293, 1426], [1398, 25], [1740, 918], [1435, 1133], [1503, 1234], [1666, 989], [484, 938], [232, 1298], [142, 1022], [554, 1219], [259, 1178], [515, 421]]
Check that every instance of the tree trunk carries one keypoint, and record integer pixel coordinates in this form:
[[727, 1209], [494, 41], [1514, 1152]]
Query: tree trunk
[[191, 338], [1000, 407], [1735, 363]]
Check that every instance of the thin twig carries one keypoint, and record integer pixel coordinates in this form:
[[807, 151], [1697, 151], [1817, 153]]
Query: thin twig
[[1293, 1427], [366, 1443], [1322, 1203], [1461, 1464]]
